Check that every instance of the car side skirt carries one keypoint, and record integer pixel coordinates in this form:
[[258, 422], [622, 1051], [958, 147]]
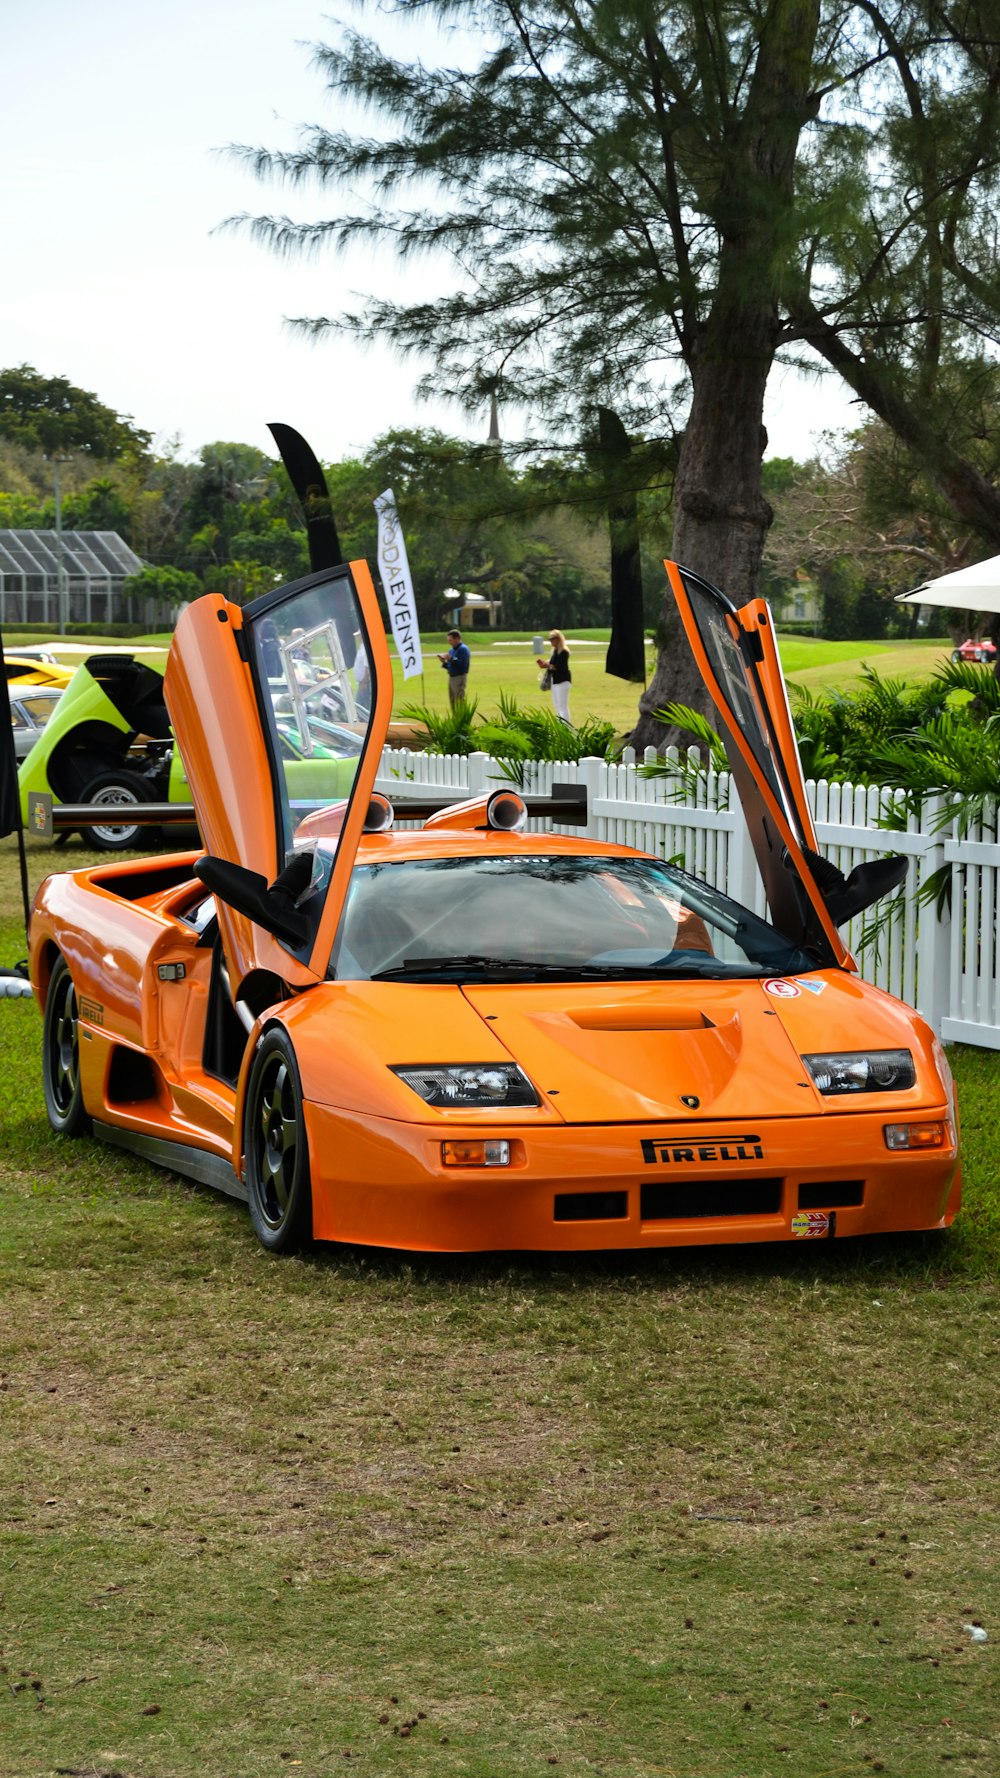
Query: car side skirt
[[193, 1163]]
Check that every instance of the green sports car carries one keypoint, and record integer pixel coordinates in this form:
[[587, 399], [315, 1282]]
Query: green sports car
[[109, 742]]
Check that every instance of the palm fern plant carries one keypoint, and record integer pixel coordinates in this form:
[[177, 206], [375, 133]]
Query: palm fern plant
[[514, 735], [448, 731], [686, 774], [840, 732], [517, 735], [954, 753]]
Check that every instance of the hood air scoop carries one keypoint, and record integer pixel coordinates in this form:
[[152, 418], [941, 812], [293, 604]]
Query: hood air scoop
[[632, 1018]]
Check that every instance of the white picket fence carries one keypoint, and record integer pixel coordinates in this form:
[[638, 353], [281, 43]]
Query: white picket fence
[[941, 960]]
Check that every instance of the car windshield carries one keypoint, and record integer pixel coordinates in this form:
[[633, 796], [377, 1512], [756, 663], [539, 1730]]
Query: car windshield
[[537, 917]]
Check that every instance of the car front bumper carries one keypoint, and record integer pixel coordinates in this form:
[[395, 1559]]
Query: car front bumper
[[569, 1188]]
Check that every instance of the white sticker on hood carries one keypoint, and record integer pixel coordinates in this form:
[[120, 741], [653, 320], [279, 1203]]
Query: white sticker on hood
[[780, 989]]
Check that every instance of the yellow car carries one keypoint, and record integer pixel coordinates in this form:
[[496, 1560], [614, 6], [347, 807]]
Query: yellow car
[[36, 668]]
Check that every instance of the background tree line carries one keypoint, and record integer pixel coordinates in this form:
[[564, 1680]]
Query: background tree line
[[231, 521], [856, 526]]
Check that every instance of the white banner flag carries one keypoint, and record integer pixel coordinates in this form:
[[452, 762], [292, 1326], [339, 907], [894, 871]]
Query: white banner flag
[[394, 568]]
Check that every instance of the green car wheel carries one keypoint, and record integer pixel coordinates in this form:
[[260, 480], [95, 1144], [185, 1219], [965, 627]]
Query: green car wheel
[[109, 789]]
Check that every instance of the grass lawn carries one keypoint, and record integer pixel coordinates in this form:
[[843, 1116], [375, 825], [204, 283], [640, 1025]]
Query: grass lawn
[[505, 664], [717, 1515]]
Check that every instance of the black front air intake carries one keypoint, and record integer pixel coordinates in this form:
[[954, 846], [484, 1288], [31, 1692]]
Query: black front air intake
[[692, 1200], [591, 1206]]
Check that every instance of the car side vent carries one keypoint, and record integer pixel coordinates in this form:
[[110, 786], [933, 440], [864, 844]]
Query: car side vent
[[130, 1077]]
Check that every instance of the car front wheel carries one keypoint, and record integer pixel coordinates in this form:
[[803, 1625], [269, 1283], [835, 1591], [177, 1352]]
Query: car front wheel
[[275, 1147], [61, 1055]]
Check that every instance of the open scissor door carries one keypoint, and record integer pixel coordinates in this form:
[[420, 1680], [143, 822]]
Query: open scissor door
[[737, 656], [257, 696]]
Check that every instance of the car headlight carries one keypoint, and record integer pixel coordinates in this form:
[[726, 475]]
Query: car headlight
[[862, 1071], [472, 1085]]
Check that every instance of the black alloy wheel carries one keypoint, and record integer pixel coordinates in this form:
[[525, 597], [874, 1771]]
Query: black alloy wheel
[[276, 1148], [61, 1055]]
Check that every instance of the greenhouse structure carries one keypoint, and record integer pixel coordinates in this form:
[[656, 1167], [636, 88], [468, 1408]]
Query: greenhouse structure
[[64, 577]]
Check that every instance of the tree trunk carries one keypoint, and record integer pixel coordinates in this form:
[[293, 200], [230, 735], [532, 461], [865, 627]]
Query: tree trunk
[[720, 514]]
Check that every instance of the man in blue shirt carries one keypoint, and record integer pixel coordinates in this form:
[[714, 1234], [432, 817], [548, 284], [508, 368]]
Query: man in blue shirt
[[456, 665]]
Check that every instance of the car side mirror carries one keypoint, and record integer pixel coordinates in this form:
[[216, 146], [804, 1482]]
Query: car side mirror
[[269, 905], [867, 883]]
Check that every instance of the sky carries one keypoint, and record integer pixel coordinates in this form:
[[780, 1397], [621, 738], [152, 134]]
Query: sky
[[113, 183]]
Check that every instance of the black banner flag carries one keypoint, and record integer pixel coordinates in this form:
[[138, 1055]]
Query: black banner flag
[[10, 808], [306, 476], [626, 657]]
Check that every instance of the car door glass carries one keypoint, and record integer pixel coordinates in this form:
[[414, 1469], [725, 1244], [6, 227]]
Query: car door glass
[[313, 670], [718, 631]]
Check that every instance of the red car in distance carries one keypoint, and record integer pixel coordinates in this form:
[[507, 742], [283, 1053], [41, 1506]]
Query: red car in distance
[[976, 648]]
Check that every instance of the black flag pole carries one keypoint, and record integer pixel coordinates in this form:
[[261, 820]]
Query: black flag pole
[[626, 657], [10, 800]]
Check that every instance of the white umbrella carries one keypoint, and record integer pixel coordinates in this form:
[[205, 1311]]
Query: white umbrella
[[967, 589]]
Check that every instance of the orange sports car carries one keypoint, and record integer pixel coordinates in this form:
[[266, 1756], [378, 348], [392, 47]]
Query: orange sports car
[[464, 1035]]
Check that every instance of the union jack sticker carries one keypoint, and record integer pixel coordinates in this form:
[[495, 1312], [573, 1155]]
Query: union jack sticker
[[808, 1225]]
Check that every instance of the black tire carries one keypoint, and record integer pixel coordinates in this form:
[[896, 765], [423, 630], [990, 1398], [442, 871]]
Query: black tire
[[61, 1055], [276, 1147], [112, 788], [956, 654]]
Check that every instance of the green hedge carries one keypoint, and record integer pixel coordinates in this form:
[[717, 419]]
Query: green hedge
[[117, 629]]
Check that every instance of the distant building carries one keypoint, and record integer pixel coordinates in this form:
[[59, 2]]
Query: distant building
[[94, 567], [471, 611], [800, 603]]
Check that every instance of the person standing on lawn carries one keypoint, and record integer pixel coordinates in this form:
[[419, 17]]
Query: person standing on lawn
[[456, 665], [560, 677]]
